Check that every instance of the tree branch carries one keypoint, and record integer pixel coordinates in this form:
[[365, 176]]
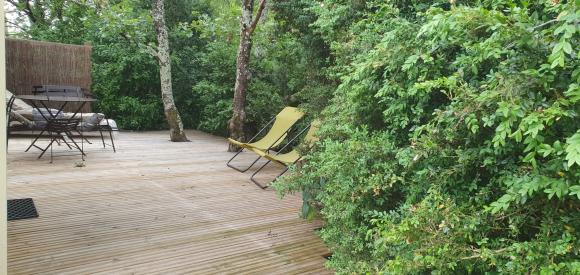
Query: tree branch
[[29, 11], [545, 24], [146, 47], [150, 50], [478, 255], [257, 18]]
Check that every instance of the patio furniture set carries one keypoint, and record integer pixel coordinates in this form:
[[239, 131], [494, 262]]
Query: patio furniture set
[[43, 114]]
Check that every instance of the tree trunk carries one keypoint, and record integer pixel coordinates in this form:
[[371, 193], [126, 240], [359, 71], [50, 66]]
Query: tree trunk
[[243, 73], [172, 116], [243, 77]]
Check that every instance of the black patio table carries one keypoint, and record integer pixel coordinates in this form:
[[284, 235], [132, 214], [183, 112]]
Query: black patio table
[[57, 127]]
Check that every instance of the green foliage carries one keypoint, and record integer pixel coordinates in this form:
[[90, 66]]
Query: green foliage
[[137, 114], [450, 140], [120, 67], [125, 74], [451, 145], [287, 68]]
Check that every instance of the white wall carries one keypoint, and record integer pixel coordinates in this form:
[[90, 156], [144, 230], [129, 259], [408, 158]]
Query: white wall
[[3, 236]]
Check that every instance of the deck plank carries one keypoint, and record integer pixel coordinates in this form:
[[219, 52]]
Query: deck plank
[[154, 207]]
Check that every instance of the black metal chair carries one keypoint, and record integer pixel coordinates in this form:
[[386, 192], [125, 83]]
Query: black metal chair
[[60, 129], [75, 91], [101, 128]]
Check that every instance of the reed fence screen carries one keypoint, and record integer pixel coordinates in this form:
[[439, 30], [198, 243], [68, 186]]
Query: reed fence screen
[[30, 63]]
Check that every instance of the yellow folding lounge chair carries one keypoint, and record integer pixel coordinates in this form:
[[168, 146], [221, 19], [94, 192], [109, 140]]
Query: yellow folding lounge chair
[[281, 124], [291, 157]]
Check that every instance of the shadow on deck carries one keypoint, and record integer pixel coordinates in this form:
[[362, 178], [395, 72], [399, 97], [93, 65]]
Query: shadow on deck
[[153, 207]]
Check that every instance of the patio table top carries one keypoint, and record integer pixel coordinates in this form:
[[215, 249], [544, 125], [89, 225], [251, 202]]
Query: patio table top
[[56, 98]]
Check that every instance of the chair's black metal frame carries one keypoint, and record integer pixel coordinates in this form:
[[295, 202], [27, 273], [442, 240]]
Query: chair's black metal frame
[[109, 129], [73, 91], [56, 127], [8, 110], [102, 128], [60, 129], [263, 186], [252, 140]]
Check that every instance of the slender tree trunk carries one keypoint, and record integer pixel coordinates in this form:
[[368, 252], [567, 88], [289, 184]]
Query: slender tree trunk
[[172, 116], [243, 77], [243, 73]]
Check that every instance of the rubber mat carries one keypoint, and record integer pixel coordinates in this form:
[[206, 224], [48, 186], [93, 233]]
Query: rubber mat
[[21, 209]]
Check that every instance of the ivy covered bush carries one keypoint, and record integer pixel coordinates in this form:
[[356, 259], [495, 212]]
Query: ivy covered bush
[[452, 144]]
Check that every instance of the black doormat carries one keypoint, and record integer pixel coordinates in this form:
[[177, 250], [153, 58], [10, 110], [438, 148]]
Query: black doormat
[[21, 209]]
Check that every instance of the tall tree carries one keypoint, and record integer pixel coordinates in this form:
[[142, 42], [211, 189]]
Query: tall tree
[[172, 116], [243, 74]]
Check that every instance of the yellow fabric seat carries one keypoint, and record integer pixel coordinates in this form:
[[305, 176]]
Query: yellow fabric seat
[[291, 157], [294, 156], [282, 123], [286, 158]]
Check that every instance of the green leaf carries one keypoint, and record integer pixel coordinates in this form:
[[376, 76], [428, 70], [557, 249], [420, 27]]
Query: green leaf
[[502, 203], [558, 59], [575, 191], [573, 93], [573, 149], [517, 135], [410, 62], [558, 188], [567, 47], [545, 150]]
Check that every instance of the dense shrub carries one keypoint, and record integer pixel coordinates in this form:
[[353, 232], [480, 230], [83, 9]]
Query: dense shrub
[[216, 91], [454, 144], [122, 81]]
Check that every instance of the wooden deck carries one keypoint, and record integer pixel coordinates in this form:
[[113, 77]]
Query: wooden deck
[[154, 207]]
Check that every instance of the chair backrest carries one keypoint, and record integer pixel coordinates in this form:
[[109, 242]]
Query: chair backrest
[[58, 125], [13, 103], [9, 103], [283, 122], [16, 104], [59, 90]]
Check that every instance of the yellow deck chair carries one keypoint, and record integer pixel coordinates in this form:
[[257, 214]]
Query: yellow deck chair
[[281, 125], [291, 157]]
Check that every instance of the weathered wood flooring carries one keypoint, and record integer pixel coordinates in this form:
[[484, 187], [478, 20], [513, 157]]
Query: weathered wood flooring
[[154, 207]]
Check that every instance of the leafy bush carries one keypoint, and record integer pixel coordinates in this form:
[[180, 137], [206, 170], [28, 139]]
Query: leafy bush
[[453, 145], [122, 78], [136, 114]]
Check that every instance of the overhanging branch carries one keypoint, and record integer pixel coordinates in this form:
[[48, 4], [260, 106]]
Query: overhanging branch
[[257, 18], [152, 51]]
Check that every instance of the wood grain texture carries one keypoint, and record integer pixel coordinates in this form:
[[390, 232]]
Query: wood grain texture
[[154, 207]]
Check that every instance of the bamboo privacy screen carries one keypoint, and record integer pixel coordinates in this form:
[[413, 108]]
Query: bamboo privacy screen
[[30, 63]]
